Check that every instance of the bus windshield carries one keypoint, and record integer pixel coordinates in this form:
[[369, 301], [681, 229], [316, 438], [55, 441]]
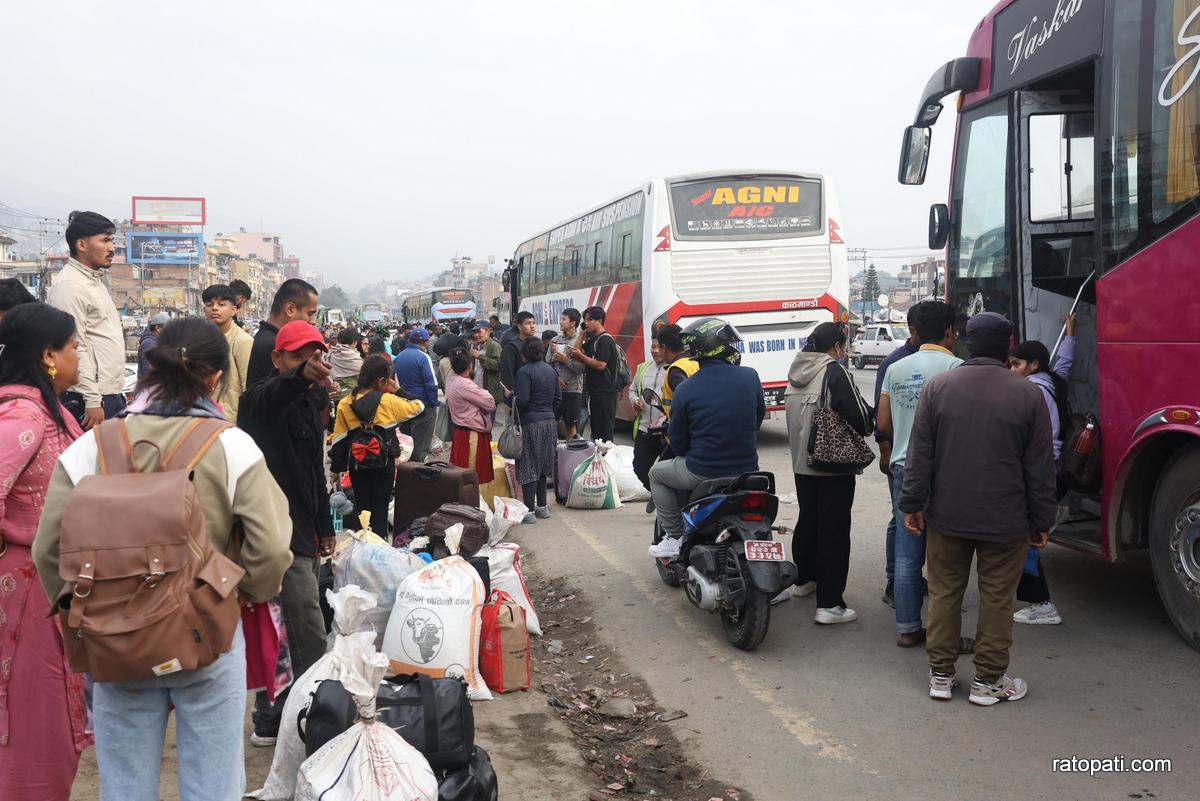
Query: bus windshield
[[746, 207], [979, 247]]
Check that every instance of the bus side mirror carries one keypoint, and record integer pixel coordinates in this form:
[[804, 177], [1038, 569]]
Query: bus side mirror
[[914, 155], [939, 226]]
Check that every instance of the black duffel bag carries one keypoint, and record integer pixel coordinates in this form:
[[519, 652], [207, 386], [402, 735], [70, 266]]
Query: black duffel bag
[[475, 782], [432, 715]]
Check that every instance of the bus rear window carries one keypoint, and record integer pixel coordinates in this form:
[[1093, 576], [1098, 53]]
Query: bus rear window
[[763, 207]]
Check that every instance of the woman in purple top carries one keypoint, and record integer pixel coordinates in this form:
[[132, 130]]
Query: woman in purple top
[[1032, 360]]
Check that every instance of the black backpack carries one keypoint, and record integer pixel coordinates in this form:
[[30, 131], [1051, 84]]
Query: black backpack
[[369, 447]]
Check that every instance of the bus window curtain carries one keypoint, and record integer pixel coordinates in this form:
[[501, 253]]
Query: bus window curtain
[[1183, 168]]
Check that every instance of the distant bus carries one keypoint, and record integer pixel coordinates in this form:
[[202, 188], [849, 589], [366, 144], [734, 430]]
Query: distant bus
[[760, 249], [372, 313], [443, 304]]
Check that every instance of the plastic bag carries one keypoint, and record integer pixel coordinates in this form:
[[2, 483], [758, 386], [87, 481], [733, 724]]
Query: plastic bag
[[368, 761], [346, 662], [406, 447], [366, 560], [504, 566], [594, 484], [454, 537], [434, 627], [437, 451], [509, 512], [629, 486]]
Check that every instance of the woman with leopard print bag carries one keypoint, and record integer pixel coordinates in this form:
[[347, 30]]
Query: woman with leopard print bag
[[827, 422]]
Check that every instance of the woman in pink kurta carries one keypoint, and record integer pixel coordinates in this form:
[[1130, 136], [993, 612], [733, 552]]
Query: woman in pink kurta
[[42, 716]]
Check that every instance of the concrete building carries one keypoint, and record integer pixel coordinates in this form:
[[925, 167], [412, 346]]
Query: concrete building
[[258, 245]]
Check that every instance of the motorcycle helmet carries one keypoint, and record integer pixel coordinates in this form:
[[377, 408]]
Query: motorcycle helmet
[[713, 338]]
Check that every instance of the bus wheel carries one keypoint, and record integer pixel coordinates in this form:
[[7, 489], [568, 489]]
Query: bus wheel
[[1175, 542]]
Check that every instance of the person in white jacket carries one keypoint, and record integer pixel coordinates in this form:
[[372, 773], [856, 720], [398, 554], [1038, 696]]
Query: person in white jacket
[[79, 290]]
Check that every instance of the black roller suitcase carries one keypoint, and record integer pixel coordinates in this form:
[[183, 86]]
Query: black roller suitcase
[[421, 489]]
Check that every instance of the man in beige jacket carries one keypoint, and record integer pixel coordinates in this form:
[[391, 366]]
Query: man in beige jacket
[[220, 306], [79, 290]]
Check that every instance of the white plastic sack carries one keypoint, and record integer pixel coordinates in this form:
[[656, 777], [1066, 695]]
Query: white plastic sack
[[504, 567], [509, 512], [435, 624], [367, 561], [368, 761], [594, 484], [629, 486], [406, 447], [347, 662], [454, 537]]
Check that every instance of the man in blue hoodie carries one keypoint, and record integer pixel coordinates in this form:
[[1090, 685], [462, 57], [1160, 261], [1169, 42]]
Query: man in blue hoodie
[[414, 372], [715, 417]]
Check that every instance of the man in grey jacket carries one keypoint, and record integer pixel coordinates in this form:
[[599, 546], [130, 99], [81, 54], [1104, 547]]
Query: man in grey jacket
[[978, 483]]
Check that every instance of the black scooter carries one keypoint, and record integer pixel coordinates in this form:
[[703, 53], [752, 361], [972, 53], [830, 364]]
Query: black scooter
[[729, 562]]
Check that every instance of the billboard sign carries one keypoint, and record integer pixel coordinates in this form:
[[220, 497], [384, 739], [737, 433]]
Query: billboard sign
[[157, 248], [169, 211], [163, 298]]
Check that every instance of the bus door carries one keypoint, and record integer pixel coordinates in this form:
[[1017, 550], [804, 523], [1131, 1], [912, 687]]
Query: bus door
[[1058, 242]]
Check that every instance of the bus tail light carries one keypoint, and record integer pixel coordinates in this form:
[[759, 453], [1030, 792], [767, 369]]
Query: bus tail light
[[665, 236]]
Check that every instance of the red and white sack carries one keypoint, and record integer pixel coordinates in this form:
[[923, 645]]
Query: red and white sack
[[504, 564], [369, 761], [504, 645], [509, 513], [434, 627]]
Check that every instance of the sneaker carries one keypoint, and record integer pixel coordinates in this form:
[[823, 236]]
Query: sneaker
[[530, 517], [889, 597], [1006, 689], [803, 590], [781, 597], [666, 548], [1038, 615], [260, 741], [541, 512], [837, 614], [941, 685]]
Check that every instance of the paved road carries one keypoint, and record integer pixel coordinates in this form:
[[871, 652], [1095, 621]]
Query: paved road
[[840, 712]]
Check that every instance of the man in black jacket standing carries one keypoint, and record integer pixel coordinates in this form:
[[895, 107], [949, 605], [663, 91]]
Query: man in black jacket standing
[[282, 413], [510, 354], [978, 483], [294, 300]]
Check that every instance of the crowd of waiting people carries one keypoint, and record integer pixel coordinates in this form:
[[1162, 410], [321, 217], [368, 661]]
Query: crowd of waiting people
[[294, 395]]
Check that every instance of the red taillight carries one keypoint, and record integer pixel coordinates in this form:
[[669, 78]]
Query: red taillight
[[753, 518], [665, 236], [755, 500]]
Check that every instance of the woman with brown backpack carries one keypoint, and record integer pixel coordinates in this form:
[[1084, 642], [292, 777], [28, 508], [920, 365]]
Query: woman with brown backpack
[[158, 517]]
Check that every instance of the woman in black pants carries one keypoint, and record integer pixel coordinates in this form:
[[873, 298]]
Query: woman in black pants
[[537, 403], [372, 469], [821, 545]]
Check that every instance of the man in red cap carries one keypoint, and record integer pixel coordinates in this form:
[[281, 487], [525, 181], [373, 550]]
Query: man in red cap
[[282, 413]]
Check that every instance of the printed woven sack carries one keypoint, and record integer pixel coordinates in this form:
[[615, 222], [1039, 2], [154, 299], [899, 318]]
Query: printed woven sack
[[594, 484]]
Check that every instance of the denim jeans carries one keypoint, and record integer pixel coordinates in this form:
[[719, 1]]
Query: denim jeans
[[666, 479], [210, 706], [890, 537], [910, 559]]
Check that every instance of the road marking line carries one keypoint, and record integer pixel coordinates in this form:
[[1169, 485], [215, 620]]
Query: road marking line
[[800, 726]]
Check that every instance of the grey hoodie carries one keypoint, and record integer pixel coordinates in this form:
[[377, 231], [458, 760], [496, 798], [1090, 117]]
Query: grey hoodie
[[803, 394], [345, 361]]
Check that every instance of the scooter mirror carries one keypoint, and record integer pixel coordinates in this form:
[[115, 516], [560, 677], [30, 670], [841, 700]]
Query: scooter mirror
[[651, 397]]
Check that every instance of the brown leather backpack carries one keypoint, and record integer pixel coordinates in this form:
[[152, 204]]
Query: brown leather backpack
[[145, 595]]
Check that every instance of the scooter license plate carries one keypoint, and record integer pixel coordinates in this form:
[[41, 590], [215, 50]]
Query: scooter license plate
[[764, 551]]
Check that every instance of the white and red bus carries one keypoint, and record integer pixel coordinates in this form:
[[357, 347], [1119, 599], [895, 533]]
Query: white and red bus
[[1077, 175], [442, 305], [761, 249]]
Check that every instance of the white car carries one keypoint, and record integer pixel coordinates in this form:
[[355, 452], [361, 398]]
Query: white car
[[875, 342], [131, 379]]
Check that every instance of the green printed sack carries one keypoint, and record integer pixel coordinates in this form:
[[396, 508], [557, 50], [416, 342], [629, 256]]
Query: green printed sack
[[594, 484]]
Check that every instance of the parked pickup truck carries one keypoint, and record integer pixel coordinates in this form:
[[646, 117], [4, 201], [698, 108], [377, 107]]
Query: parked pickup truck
[[875, 342]]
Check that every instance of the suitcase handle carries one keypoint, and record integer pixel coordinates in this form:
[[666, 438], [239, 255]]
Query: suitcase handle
[[431, 471], [577, 444]]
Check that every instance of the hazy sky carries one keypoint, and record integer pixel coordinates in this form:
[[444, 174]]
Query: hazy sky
[[381, 139]]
